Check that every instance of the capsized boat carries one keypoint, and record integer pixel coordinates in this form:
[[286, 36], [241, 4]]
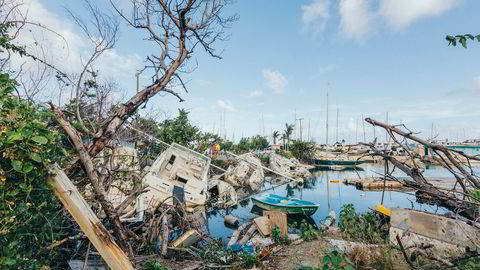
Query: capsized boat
[[288, 205], [177, 173]]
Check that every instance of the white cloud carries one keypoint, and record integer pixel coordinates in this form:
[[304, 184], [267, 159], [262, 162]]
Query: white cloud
[[354, 18], [275, 80], [68, 49], [225, 105], [315, 15], [255, 93], [401, 13]]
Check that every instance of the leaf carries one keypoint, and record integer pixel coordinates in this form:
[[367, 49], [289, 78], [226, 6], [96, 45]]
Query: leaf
[[27, 167], [463, 41], [14, 137], [36, 157], [478, 38], [469, 36], [17, 165], [336, 260], [7, 261], [349, 267], [326, 259], [40, 139]]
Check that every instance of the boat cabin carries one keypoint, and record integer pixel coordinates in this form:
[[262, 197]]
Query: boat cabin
[[177, 175]]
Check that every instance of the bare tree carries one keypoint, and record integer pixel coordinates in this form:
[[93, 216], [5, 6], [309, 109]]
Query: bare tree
[[456, 162], [177, 27], [102, 31]]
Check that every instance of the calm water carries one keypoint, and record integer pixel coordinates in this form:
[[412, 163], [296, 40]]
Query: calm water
[[329, 196]]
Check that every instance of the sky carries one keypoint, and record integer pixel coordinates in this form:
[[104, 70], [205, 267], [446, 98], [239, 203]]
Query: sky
[[373, 57]]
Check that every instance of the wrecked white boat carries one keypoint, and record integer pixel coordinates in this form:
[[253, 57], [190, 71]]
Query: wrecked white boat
[[445, 235], [289, 167], [223, 194], [246, 172], [178, 174]]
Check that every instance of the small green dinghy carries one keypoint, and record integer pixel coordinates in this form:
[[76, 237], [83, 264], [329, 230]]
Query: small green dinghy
[[290, 206]]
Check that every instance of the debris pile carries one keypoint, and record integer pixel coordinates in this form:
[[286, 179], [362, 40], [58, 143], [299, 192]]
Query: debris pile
[[289, 167]]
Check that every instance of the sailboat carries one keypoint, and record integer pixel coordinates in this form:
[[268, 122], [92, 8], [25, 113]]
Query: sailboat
[[327, 159]]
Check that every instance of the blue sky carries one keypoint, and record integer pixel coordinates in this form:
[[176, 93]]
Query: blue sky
[[373, 57]]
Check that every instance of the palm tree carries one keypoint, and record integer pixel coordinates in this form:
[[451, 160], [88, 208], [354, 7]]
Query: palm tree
[[275, 135], [288, 132]]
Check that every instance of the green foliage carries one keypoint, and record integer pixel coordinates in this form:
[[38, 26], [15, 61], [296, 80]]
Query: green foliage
[[337, 260], [475, 194], [360, 227], [284, 153], [275, 135], [154, 265], [303, 151], [462, 39], [248, 260], [6, 40], [308, 232], [29, 211], [179, 130], [470, 264], [256, 142], [278, 238]]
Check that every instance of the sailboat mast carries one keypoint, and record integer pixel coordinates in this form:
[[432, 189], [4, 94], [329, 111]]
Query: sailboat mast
[[336, 133], [326, 139], [363, 123]]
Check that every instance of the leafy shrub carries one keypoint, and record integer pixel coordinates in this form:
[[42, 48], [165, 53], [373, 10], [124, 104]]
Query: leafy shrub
[[154, 265], [337, 260], [278, 238], [307, 231], [363, 227], [29, 211]]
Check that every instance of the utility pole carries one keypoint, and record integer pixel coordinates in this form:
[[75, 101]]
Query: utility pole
[[138, 80], [300, 120]]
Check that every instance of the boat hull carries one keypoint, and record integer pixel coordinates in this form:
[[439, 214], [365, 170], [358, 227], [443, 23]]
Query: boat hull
[[292, 210], [327, 162]]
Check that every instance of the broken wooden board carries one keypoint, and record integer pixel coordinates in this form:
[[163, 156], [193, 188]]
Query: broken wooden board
[[263, 225], [187, 239], [277, 219], [248, 235], [445, 234], [89, 223], [236, 234]]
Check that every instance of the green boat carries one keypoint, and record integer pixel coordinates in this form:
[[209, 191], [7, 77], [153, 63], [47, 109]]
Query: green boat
[[332, 162], [290, 206]]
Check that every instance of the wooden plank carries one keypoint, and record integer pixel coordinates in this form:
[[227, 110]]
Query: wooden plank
[[89, 223], [263, 225], [278, 219], [236, 234], [187, 239], [165, 235], [248, 235]]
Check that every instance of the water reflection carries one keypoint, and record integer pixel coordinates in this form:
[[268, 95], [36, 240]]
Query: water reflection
[[330, 195]]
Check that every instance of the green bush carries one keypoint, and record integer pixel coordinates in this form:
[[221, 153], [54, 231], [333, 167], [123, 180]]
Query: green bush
[[360, 227], [30, 214]]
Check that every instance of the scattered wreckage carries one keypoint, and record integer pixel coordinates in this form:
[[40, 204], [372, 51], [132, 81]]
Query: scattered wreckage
[[289, 167]]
